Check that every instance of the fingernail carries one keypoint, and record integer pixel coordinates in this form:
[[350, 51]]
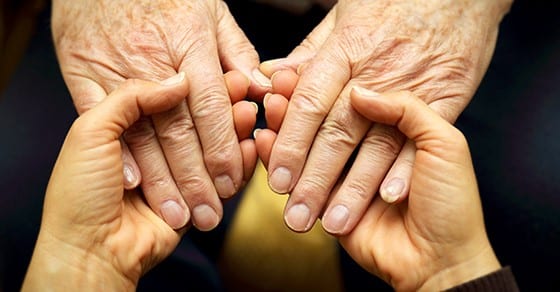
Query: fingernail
[[265, 99], [173, 214], [300, 68], [224, 186], [335, 220], [256, 133], [393, 190], [256, 106], [130, 178], [297, 218], [280, 180], [205, 218], [272, 62], [365, 92], [261, 79], [173, 79]]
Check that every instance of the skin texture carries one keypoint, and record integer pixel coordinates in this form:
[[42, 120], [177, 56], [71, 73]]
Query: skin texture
[[435, 238], [191, 155], [94, 234], [439, 50]]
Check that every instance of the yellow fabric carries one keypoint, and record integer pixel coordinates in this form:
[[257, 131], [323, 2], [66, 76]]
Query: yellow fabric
[[262, 254]]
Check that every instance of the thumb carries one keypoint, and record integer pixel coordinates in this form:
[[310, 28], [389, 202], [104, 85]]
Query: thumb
[[413, 117], [113, 115]]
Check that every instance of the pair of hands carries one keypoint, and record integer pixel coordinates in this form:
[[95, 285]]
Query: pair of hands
[[97, 235], [190, 158]]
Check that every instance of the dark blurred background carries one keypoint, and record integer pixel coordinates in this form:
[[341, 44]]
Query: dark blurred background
[[512, 126]]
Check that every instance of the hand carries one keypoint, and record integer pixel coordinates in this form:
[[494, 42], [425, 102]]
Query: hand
[[92, 229], [437, 49], [436, 239], [189, 156]]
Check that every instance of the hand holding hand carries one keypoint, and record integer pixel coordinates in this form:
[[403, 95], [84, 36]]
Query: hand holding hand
[[190, 156], [94, 234], [437, 49], [435, 239]]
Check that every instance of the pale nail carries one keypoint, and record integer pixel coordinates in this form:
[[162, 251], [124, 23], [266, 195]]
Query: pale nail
[[129, 176], [205, 218], [280, 180], [393, 190], [224, 186], [335, 220], [173, 214], [297, 217], [261, 79], [173, 79]]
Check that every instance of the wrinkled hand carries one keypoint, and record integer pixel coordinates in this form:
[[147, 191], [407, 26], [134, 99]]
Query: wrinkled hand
[[189, 156], [437, 49]]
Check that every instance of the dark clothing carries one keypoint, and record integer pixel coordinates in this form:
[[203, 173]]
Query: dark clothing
[[511, 125], [499, 281]]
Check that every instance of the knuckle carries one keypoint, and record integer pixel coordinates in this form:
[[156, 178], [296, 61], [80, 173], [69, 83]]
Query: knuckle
[[313, 192], [340, 132], [385, 141], [194, 188], [174, 129], [357, 189], [212, 102], [140, 133], [311, 101], [156, 182], [219, 159]]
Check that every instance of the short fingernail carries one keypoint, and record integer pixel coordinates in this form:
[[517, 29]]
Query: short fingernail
[[130, 178], [335, 220], [393, 190], [297, 218], [224, 186], [272, 62], [256, 133], [173, 214], [265, 99], [261, 79], [280, 180], [173, 79], [256, 107], [205, 218], [365, 92]]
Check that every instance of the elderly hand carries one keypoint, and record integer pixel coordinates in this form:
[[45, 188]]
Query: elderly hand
[[437, 49], [94, 235], [189, 156]]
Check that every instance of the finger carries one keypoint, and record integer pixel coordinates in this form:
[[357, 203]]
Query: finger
[[237, 85], [275, 107], [340, 133], [123, 107], [211, 111], [284, 82], [410, 114], [184, 170], [264, 139], [245, 117], [237, 52], [318, 87], [305, 51], [396, 184], [249, 151], [131, 171], [377, 152]]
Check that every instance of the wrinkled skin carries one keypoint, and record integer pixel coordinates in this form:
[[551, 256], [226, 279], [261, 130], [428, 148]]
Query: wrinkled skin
[[191, 155], [439, 50], [94, 234]]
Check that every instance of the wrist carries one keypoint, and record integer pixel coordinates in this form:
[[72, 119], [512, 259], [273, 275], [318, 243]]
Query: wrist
[[475, 267], [56, 265]]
